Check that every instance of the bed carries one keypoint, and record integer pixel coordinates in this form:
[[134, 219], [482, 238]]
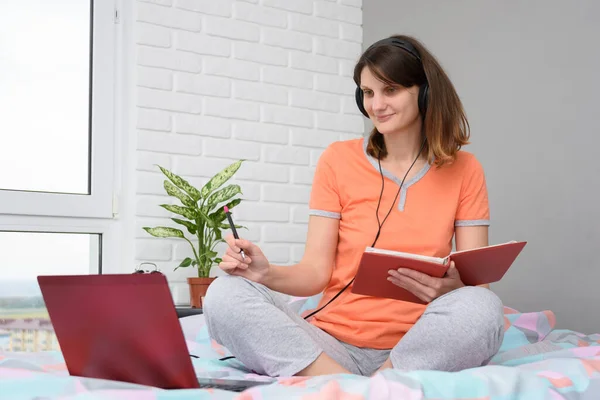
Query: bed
[[535, 361]]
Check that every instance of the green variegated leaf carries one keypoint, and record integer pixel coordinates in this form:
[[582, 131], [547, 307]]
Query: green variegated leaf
[[185, 211], [223, 195], [218, 260], [219, 179], [210, 254], [190, 226], [181, 183], [217, 231], [226, 226], [172, 190], [185, 263], [219, 216], [164, 232], [233, 203], [205, 218]]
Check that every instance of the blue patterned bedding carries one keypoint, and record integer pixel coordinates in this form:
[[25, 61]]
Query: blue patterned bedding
[[535, 361]]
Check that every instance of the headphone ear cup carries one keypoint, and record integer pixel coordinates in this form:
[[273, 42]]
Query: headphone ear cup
[[358, 95], [423, 98]]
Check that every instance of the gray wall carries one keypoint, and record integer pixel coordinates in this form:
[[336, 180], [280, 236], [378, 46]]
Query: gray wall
[[528, 74]]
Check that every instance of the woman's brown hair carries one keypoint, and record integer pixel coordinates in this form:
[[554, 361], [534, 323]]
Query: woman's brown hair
[[445, 125]]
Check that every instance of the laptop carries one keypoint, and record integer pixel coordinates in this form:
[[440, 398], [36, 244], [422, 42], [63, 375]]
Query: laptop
[[124, 328]]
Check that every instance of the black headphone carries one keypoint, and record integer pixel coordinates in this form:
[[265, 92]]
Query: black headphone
[[423, 90], [423, 99]]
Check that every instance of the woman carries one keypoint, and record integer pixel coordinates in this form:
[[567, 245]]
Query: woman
[[407, 187]]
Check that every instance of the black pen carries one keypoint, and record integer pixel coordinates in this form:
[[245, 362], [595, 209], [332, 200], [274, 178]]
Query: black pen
[[235, 235]]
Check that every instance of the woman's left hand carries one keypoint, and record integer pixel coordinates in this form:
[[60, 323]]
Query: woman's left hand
[[425, 287]]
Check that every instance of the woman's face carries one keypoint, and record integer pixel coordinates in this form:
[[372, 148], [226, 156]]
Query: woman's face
[[392, 108]]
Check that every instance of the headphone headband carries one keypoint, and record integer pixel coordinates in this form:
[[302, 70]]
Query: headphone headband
[[406, 46]]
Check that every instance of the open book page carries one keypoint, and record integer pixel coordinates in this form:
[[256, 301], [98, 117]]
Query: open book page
[[436, 260], [486, 247]]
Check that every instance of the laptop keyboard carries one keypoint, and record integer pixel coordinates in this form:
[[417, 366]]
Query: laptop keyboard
[[229, 388], [232, 385]]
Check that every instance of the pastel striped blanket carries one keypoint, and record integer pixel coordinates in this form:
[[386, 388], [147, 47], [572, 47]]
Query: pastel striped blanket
[[535, 361]]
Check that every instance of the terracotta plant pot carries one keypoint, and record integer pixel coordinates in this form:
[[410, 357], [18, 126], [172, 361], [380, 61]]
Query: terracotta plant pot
[[198, 288]]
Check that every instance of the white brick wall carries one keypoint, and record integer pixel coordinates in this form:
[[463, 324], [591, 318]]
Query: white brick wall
[[268, 81]]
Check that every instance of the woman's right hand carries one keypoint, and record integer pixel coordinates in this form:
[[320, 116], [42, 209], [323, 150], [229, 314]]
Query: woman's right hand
[[254, 266]]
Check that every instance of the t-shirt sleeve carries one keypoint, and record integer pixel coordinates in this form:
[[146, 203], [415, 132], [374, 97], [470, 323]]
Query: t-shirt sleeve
[[324, 196], [473, 207]]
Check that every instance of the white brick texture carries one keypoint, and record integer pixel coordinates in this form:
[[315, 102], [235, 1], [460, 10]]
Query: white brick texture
[[169, 17], [155, 78], [338, 12], [153, 35], [315, 26], [310, 62], [220, 8], [287, 39], [232, 29], [267, 81], [337, 48], [260, 53], [201, 43], [286, 155]]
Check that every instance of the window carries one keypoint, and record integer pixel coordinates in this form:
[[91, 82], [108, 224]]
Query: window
[[57, 155], [24, 321], [57, 97]]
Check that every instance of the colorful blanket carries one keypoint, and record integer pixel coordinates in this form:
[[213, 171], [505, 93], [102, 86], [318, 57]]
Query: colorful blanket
[[535, 361]]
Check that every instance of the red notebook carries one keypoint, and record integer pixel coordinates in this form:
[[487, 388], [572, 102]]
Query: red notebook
[[476, 267]]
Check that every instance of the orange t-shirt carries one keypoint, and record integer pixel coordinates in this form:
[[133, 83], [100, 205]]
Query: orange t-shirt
[[347, 185]]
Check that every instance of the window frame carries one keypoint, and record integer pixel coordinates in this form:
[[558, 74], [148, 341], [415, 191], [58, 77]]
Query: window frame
[[99, 203], [109, 256]]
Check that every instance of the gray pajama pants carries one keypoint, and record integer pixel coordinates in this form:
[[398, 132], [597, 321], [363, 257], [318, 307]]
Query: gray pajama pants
[[459, 330]]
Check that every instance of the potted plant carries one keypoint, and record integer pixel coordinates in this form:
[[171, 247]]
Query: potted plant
[[203, 217]]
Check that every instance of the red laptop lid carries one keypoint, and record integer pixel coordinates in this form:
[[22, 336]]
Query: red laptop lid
[[119, 327]]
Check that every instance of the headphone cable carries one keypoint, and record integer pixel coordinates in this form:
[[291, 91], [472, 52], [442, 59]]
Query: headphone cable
[[380, 224]]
